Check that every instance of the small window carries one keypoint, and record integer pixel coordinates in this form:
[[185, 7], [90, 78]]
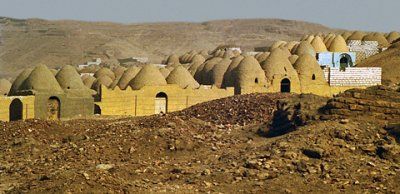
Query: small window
[[256, 80], [313, 76], [285, 69]]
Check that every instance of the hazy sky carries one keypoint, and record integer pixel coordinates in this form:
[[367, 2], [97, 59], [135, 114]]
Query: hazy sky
[[372, 15]]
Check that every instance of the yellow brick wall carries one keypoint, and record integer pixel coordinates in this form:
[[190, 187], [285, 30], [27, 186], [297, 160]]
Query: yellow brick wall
[[142, 102], [28, 107]]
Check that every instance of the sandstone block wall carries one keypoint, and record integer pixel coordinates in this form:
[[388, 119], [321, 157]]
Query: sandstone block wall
[[354, 76]]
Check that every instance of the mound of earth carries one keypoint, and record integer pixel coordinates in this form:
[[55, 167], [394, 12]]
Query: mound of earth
[[389, 60], [179, 153]]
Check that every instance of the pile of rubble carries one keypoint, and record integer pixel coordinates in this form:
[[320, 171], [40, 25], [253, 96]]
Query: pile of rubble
[[236, 110], [376, 101]]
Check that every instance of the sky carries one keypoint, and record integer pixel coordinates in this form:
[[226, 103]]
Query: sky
[[368, 15]]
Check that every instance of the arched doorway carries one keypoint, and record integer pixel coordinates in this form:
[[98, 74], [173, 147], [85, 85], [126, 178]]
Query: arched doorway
[[16, 110], [97, 109], [161, 102], [53, 108], [285, 85], [345, 61]]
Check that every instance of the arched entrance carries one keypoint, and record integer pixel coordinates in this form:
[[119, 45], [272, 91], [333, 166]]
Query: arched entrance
[[16, 110], [345, 61], [97, 109], [285, 85], [53, 108], [161, 102]]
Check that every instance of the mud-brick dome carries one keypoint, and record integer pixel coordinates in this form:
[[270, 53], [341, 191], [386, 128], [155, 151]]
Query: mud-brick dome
[[329, 39], [165, 72], [5, 86], [182, 78], [277, 44], [41, 79], [19, 80], [228, 76], [104, 72], [88, 82], [308, 66], [203, 73], [276, 65], [318, 45], [128, 76], [290, 45], [119, 71], [377, 37], [54, 71], [392, 36], [149, 75], [346, 35], [262, 56], [293, 58], [68, 78], [310, 38], [249, 73], [218, 72], [85, 76], [104, 80], [275, 59], [338, 45], [173, 59], [357, 35], [197, 60], [305, 48]]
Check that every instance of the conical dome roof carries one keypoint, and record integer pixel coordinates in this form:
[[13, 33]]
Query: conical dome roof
[[310, 39], [249, 73], [305, 48], [182, 78], [293, 58], [218, 72], [377, 37], [357, 35], [128, 76], [307, 64], [203, 73], [277, 44], [85, 76], [198, 58], [149, 75], [41, 79], [54, 71], [119, 71], [88, 82], [274, 59], [228, 76], [173, 59], [319, 45], [346, 35], [104, 72], [5, 86], [68, 78], [165, 72], [19, 81], [311, 76], [392, 36], [338, 45], [103, 80], [290, 45], [262, 57]]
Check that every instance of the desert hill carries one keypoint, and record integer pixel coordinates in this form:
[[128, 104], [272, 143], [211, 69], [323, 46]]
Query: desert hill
[[389, 60], [25, 43]]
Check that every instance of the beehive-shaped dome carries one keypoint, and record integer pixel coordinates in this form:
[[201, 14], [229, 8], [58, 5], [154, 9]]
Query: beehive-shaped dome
[[357, 35], [377, 37], [276, 64], [277, 44], [198, 58], [5, 86], [85, 76], [346, 35], [293, 59], [392, 36], [88, 82], [149, 75], [173, 59], [182, 78], [262, 56], [203, 73], [19, 81], [41, 79], [329, 39], [311, 76], [338, 45], [104, 80], [305, 48], [318, 45], [218, 72], [249, 73], [290, 45], [310, 38], [128, 75], [54, 71], [228, 76], [69, 78], [165, 72], [119, 71], [104, 72]]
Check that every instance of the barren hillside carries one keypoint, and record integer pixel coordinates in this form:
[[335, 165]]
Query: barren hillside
[[30, 42]]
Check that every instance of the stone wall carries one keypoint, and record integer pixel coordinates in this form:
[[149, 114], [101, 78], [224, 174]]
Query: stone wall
[[353, 76], [28, 107]]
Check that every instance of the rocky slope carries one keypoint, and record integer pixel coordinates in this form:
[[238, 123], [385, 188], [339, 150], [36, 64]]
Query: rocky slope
[[33, 41], [180, 153]]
